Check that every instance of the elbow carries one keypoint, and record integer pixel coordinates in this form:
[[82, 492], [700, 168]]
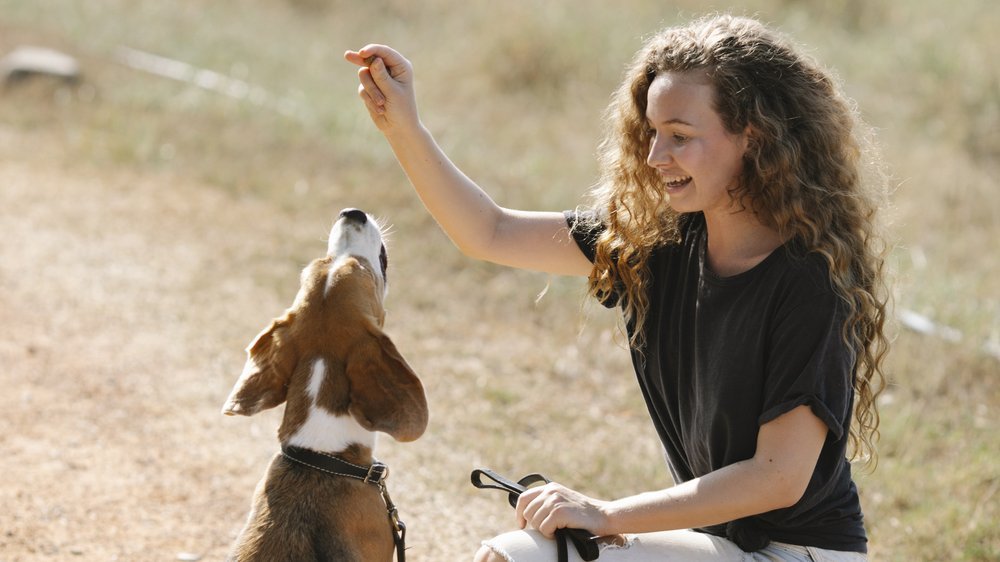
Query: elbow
[[478, 244], [788, 496], [782, 487], [474, 251], [787, 491]]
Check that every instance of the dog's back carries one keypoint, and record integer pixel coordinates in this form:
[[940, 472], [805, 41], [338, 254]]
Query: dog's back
[[287, 525]]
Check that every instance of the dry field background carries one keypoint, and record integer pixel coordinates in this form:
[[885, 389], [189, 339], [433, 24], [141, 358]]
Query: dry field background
[[150, 227]]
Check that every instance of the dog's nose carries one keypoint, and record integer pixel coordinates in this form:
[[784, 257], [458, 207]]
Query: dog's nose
[[356, 215]]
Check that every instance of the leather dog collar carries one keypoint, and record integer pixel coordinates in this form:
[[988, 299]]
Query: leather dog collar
[[323, 462], [374, 474]]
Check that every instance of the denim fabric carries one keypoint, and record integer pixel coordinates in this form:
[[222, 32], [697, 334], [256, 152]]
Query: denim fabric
[[531, 546]]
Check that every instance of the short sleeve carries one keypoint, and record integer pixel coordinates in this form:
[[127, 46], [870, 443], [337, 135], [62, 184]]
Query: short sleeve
[[809, 363], [585, 229]]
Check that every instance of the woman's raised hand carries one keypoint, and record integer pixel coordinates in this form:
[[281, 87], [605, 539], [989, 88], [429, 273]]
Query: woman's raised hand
[[386, 87]]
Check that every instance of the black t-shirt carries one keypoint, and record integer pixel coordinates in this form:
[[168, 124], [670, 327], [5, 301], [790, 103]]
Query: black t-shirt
[[724, 356]]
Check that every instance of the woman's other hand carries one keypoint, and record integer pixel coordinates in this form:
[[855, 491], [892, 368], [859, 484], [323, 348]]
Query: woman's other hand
[[553, 506]]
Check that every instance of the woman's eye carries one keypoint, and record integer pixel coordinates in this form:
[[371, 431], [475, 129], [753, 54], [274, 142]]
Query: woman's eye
[[680, 139]]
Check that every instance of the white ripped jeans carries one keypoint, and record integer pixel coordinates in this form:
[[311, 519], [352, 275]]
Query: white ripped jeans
[[531, 546]]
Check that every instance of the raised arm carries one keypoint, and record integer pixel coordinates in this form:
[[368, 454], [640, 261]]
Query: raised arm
[[472, 220]]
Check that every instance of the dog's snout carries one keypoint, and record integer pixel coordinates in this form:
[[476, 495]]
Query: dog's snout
[[355, 215]]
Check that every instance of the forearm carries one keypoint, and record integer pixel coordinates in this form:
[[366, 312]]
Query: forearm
[[535, 240], [775, 477], [465, 212], [733, 492]]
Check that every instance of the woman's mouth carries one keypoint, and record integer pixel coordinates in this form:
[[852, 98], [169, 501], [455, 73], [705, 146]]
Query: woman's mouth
[[676, 182]]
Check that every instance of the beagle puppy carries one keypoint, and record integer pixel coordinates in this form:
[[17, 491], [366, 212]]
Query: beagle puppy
[[342, 380]]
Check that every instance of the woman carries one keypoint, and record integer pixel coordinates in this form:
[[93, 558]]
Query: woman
[[734, 229]]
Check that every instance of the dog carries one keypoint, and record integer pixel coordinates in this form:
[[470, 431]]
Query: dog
[[343, 380]]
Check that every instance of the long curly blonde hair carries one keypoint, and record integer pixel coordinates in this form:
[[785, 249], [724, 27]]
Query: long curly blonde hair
[[802, 174]]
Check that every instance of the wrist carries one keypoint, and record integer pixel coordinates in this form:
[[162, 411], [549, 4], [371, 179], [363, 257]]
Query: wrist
[[405, 132], [608, 520]]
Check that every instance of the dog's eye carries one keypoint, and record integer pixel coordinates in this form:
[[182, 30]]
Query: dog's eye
[[383, 259]]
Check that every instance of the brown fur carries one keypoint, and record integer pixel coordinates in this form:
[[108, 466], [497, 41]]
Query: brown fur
[[301, 514]]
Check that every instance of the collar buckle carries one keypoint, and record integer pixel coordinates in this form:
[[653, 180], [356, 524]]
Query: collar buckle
[[377, 473]]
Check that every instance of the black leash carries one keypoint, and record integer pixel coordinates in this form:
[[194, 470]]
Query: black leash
[[584, 541], [374, 474]]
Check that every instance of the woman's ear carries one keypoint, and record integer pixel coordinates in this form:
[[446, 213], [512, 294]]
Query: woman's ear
[[386, 394], [746, 137], [264, 381]]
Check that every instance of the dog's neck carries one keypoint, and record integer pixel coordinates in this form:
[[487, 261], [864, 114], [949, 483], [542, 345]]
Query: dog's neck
[[326, 432]]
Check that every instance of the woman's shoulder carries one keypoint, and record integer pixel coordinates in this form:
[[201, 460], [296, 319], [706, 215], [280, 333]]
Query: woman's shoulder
[[799, 261], [803, 277]]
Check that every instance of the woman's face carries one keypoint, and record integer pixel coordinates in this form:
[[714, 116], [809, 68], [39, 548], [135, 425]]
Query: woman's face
[[697, 158]]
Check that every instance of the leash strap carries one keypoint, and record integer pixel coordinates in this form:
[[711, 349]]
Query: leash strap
[[398, 527], [584, 541], [375, 474]]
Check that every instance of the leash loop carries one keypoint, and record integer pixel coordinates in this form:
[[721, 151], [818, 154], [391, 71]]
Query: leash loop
[[513, 489], [584, 541]]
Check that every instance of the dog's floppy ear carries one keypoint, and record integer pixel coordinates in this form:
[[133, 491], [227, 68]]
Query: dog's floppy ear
[[386, 394], [264, 381]]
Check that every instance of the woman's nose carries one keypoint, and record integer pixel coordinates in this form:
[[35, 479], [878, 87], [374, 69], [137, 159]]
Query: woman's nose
[[658, 155]]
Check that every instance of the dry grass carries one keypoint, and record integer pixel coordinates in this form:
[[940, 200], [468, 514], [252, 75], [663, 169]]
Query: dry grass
[[151, 228]]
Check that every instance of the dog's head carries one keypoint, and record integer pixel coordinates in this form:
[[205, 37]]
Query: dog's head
[[335, 322]]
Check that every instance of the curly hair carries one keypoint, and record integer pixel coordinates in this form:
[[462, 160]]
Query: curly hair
[[802, 174]]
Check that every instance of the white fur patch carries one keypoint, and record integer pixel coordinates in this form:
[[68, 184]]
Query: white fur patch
[[316, 378], [324, 431], [348, 238]]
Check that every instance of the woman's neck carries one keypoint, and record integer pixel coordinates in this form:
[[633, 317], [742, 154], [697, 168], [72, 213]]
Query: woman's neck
[[738, 241]]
